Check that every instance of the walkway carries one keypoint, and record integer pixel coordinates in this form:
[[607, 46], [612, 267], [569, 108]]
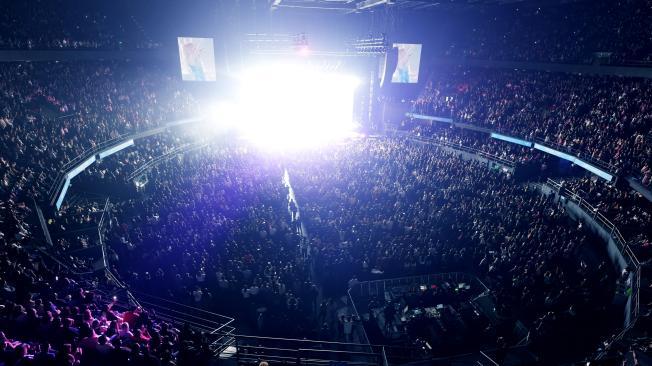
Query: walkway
[[293, 209]]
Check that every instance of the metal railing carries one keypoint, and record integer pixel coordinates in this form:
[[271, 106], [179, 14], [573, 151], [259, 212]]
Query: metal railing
[[62, 264], [364, 291], [455, 146], [216, 325], [181, 314], [579, 154], [44, 226], [623, 246], [379, 287], [90, 152], [100, 232], [491, 360], [575, 152], [53, 253], [384, 355], [161, 158], [58, 181], [121, 287], [249, 348], [517, 355], [365, 337]]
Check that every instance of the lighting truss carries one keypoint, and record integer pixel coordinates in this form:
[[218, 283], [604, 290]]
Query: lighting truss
[[371, 46], [275, 42]]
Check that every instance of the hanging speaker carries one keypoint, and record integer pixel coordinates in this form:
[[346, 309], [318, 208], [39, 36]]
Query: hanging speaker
[[388, 65]]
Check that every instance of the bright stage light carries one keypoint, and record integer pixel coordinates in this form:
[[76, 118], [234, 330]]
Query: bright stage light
[[286, 106], [304, 51], [219, 118]]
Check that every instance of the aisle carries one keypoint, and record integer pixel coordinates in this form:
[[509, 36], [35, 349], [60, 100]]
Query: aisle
[[295, 211]]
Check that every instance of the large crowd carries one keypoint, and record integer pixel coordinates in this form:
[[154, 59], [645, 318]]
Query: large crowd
[[523, 32], [215, 231], [51, 24], [388, 208], [49, 316], [628, 210], [601, 118], [52, 112], [478, 141], [275, 241], [509, 32]]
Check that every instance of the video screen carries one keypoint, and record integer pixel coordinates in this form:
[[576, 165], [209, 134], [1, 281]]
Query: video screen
[[197, 59], [407, 67]]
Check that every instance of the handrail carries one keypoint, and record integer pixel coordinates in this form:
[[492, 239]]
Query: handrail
[[59, 262], [113, 141], [100, 234], [184, 313], [625, 250], [177, 150], [105, 262], [365, 289], [347, 344], [93, 150], [468, 149], [385, 363], [121, 285], [304, 347], [180, 304], [431, 275], [577, 153], [254, 358], [169, 318], [81, 157], [355, 311], [44, 226], [489, 358], [606, 223], [339, 351], [306, 350]]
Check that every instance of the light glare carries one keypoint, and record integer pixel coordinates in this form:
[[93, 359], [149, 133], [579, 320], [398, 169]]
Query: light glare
[[286, 106]]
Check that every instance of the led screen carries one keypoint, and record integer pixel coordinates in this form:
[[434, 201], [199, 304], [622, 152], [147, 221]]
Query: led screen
[[197, 59], [407, 67]]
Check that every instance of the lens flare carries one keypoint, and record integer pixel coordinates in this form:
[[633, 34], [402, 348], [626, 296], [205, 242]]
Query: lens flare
[[289, 106]]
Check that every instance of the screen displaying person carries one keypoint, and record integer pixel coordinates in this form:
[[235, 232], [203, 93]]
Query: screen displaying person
[[407, 66], [197, 59]]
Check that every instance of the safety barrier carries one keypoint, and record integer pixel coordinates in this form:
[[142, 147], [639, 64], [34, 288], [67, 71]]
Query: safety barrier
[[631, 259], [610, 168], [379, 287], [70, 169], [442, 143], [363, 292], [579, 154], [168, 155], [246, 349], [66, 168], [219, 326]]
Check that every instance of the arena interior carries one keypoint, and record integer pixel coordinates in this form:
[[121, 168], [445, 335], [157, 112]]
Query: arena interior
[[325, 182]]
